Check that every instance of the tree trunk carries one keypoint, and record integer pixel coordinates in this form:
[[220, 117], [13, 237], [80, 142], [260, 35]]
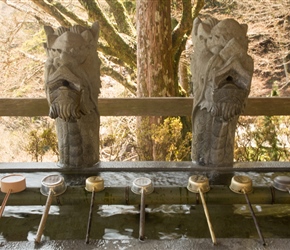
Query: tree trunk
[[154, 63], [154, 49]]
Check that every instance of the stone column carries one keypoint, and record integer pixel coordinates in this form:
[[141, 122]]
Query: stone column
[[72, 84], [221, 75]]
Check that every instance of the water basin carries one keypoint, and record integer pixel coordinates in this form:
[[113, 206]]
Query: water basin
[[163, 222]]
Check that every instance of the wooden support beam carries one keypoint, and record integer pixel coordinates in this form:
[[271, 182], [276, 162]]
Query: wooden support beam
[[166, 106], [218, 195]]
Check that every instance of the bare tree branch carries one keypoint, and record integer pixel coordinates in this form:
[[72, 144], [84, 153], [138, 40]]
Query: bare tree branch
[[40, 20], [107, 50], [183, 30], [185, 25], [110, 34], [28, 12], [119, 78], [198, 5], [68, 13], [177, 60], [32, 57], [50, 9], [16, 6], [121, 17]]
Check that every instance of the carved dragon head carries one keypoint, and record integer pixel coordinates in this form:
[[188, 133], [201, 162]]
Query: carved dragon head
[[222, 69], [72, 71]]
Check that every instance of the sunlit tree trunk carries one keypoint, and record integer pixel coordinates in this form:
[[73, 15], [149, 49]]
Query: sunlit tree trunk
[[154, 63], [154, 49]]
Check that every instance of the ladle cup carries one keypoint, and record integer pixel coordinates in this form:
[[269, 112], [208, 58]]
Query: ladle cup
[[199, 184], [93, 184], [241, 184], [13, 183], [51, 185], [282, 183], [143, 186]]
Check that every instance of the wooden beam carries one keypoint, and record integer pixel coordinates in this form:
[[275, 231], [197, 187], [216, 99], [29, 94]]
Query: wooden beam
[[23, 107], [166, 106], [218, 195]]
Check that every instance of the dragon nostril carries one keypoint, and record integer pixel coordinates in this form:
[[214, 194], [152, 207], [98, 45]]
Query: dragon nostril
[[229, 79]]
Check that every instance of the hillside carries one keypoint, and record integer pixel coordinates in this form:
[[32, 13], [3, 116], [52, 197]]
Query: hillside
[[269, 40]]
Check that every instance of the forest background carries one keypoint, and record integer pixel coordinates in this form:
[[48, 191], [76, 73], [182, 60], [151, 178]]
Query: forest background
[[22, 65]]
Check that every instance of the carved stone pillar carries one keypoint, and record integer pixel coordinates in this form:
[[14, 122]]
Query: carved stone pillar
[[72, 84], [221, 75]]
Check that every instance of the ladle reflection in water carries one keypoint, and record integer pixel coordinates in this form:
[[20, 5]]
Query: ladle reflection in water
[[142, 186], [93, 184], [243, 185], [200, 184]]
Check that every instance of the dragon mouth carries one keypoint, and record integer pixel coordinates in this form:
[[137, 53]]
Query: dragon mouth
[[229, 82], [65, 104], [229, 86], [229, 101], [65, 100], [232, 73]]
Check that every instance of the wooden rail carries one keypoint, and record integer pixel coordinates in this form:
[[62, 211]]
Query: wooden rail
[[166, 106]]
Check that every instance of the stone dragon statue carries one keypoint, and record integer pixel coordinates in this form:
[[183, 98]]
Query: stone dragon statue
[[72, 85], [221, 75]]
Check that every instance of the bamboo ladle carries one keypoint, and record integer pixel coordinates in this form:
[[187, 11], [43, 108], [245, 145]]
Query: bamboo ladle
[[93, 184], [142, 186], [199, 184], [242, 184], [13, 183], [282, 183], [51, 185]]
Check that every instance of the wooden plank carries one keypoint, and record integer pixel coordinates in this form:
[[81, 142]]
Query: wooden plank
[[268, 106], [23, 107], [166, 106]]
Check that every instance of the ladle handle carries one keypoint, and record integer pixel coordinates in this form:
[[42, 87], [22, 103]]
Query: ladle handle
[[90, 217], [44, 217], [4, 202], [207, 217], [142, 216], [254, 218]]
